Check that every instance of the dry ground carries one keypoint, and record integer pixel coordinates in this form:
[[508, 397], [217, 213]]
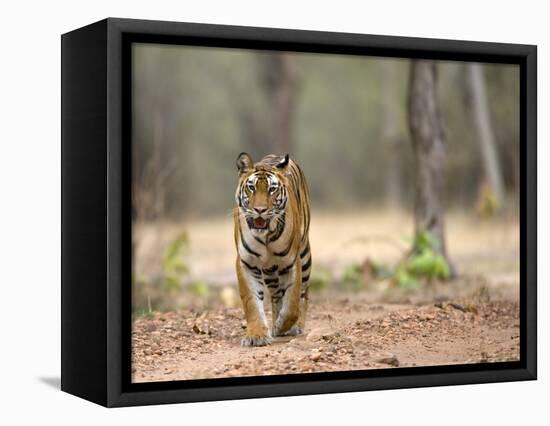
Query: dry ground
[[340, 335], [376, 327]]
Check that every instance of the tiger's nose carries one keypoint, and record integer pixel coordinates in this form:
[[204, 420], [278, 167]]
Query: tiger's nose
[[260, 210]]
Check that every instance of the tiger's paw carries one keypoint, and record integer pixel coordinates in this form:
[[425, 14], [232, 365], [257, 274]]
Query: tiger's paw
[[286, 326], [256, 341]]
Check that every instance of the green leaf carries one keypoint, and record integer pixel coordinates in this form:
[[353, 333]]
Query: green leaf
[[422, 264], [173, 266], [441, 268], [406, 280], [424, 240]]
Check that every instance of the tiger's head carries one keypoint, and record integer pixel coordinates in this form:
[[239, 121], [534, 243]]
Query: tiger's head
[[261, 194]]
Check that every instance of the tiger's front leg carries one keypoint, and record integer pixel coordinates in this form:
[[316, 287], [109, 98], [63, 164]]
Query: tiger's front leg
[[251, 291], [289, 302]]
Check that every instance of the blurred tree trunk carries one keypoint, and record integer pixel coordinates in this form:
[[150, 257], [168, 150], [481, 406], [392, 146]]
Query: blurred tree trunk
[[477, 97], [390, 132], [159, 168], [151, 186], [279, 79], [252, 128], [428, 140], [149, 191]]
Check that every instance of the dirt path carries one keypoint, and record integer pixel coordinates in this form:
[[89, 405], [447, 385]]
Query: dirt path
[[341, 335]]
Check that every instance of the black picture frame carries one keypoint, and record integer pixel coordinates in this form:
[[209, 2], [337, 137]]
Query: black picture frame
[[96, 212]]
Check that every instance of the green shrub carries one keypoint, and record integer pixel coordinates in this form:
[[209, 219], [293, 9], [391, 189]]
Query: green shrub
[[352, 276], [200, 289], [320, 279], [422, 264], [173, 266]]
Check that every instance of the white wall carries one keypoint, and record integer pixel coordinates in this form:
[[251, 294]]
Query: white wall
[[30, 209]]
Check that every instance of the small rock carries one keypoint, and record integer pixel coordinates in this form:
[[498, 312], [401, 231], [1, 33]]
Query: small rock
[[199, 330], [388, 358], [457, 306], [316, 356]]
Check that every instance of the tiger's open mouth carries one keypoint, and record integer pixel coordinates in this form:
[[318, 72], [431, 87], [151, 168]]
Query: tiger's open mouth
[[258, 223]]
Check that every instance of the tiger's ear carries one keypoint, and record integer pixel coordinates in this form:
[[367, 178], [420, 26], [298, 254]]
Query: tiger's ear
[[244, 162], [284, 162]]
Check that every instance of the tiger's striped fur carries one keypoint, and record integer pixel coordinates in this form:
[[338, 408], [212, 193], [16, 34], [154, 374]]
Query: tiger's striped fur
[[273, 254]]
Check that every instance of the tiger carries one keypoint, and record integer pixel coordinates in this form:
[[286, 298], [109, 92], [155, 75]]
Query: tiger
[[272, 218]]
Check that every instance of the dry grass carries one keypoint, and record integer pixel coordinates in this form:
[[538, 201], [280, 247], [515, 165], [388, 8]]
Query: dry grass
[[476, 246]]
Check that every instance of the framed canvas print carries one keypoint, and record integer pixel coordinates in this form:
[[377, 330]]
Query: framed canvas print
[[255, 212]]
